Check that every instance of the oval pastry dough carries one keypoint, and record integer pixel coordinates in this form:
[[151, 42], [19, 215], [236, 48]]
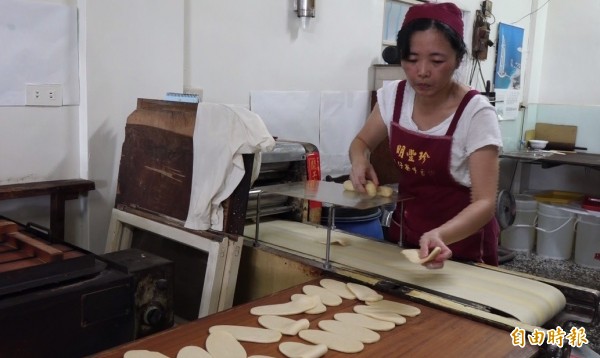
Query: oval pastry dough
[[222, 344], [362, 334], [284, 325], [337, 287], [363, 292], [296, 349], [193, 352], [327, 297], [333, 341], [396, 307], [319, 306], [364, 321], [377, 313]]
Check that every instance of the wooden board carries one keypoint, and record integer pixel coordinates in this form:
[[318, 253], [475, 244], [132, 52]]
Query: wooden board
[[434, 333], [558, 133]]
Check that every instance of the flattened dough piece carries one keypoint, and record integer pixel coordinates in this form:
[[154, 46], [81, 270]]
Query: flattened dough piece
[[142, 353], [335, 240], [284, 309], [396, 307], [221, 344], [249, 334], [363, 292], [319, 306], [364, 321], [413, 255], [337, 287], [193, 352], [284, 325], [333, 341], [327, 297], [377, 313], [362, 334], [301, 350]]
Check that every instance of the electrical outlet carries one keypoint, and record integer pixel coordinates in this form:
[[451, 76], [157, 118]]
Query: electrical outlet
[[44, 95]]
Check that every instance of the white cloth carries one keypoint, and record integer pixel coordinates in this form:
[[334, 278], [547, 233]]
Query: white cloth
[[478, 126], [222, 134]]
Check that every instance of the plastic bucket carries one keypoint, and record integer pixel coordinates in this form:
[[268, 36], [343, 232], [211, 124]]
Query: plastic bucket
[[587, 241], [520, 236], [361, 222], [555, 232]]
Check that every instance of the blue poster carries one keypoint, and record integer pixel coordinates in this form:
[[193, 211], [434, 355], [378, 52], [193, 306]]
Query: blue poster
[[508, 57]]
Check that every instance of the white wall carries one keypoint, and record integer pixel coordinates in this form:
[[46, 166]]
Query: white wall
[[134, 50]]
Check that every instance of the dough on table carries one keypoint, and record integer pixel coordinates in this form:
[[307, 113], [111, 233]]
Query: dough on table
[[142, 353], [327, 297], [284, 325], [221, 344], [337, 287], [396, 307], [377, 313], [364, 321], [249, 334], [363, 292], [334, 240], [362, 334], [193, 352], [333, 341], [319, 306], [301, 350], [284, 309], [385, 191], [413, 255]]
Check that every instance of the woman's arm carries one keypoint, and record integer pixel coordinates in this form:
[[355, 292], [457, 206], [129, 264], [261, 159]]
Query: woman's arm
[[371, 134], [484, 172]]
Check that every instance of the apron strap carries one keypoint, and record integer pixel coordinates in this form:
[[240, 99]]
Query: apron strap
[[398, 102], [459, 111]]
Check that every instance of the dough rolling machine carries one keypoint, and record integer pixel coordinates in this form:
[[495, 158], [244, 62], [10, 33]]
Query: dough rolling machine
[[484, 293]]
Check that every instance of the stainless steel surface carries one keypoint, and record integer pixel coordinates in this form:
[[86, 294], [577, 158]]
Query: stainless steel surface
[[284, 152], [332, 193]]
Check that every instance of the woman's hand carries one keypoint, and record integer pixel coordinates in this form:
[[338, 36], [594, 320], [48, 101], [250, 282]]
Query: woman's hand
[[428, 242], [361, 172]]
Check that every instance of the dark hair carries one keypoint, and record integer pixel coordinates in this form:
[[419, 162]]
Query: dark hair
[[404, 35]]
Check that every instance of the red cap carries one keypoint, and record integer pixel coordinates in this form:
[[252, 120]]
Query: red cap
[[446, 13]]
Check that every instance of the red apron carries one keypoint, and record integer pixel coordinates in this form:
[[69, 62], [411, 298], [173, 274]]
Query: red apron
[[424, 161]]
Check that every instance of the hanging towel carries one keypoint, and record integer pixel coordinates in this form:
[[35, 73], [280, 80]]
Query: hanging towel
[[222, 133]]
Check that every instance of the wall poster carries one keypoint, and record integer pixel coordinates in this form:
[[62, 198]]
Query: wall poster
[[508, 57]]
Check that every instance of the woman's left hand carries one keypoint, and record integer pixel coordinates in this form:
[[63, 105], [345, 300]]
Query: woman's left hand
[[428, 242]]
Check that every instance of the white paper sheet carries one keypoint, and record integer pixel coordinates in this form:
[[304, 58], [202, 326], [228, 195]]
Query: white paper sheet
[[329, 120], [289, 115], [342, 116], [39, 46]]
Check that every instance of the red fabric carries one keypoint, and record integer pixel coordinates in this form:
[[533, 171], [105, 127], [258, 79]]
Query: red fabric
[[446, 13], [424, 161]]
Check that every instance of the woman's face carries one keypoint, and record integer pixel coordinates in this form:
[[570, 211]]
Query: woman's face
[[431, 63]]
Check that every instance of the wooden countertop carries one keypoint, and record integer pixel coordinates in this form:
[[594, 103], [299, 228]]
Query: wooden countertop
[[434, 333]]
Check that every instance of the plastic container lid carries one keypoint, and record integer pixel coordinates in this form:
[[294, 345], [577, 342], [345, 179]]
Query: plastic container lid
[[558, 197]]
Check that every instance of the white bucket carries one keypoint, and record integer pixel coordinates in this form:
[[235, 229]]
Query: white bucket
[[587, 241], [554, 232], [520, 236]]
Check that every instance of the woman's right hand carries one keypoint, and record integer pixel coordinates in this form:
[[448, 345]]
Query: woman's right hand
[[362, 170]]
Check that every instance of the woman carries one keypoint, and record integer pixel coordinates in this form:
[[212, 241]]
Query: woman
[[445, 139]]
